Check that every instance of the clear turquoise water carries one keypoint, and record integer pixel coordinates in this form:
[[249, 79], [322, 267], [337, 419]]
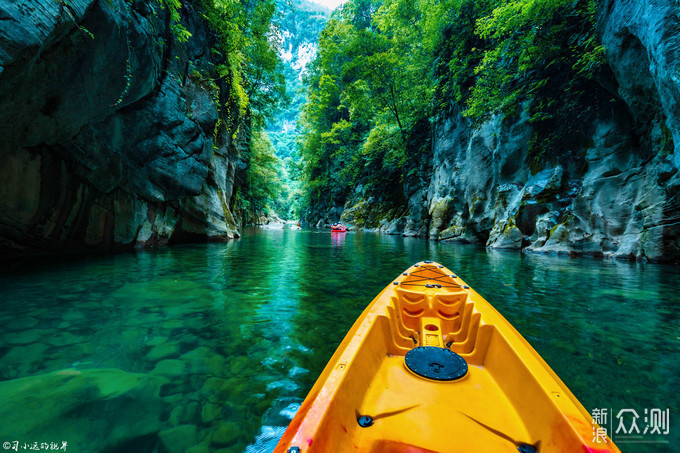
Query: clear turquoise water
[[225, 339]]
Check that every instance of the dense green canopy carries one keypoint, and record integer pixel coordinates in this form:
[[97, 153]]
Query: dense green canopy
[[385, 72], [387, 69]]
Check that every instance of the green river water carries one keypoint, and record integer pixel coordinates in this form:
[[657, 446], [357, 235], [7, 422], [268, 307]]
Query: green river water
[[212, 347]]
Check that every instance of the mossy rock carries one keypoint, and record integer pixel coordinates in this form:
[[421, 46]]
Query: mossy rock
[[162, 351], [226, 434], [178, 439], [169, 367], [105, 408]]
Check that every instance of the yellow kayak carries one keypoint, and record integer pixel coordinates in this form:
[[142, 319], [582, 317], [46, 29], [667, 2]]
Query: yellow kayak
[[430, 366]]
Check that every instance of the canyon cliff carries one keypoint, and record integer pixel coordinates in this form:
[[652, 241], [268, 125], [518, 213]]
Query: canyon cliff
[[112, 135], [617, 196]]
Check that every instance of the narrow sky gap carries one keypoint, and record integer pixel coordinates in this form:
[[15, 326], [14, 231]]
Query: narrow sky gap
[[332, 4]]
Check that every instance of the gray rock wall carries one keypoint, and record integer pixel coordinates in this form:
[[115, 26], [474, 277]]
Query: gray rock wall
[[108, 134], [614, 202]]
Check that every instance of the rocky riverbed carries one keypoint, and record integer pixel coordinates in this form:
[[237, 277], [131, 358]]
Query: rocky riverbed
[[152, 364]]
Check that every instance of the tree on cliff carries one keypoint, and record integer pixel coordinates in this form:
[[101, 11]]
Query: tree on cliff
[[248, 60], [391, 67]]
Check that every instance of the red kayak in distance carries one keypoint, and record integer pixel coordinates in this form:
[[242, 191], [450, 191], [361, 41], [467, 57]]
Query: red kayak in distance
[[338, 229]]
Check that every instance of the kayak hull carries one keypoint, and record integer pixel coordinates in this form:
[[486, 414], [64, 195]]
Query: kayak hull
[[369, 399]]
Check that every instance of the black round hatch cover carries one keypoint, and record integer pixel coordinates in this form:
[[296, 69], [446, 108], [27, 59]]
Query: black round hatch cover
[[436, 363]]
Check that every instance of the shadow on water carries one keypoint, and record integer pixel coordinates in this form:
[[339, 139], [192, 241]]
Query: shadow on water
[[212, 347]]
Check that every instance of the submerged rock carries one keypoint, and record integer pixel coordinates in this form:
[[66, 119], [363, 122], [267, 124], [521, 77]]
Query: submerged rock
[[95, 409], [162, 351], [21, 360], [27, 336], [178, 439], [226, 434], [203, 361], [169, 367], [65, 338], [210, 412], [23, 324]]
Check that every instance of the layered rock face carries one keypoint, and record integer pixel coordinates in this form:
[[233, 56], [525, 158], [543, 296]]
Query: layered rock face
[[109, 135], [614, 201], [619, 197]]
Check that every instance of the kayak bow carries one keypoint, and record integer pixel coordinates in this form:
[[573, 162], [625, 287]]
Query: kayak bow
[[430, 366]]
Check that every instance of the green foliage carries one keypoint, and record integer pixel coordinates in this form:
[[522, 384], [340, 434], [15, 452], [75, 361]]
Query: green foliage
[[246, 82], [386, 68], [300, 22], [370, 87], [667, 144], [69, 12], [247, 46], [263, 184], [383, 155], [458, 52], [543, 54], [268, 187], [178, 30], [303, 21], [245, 56]]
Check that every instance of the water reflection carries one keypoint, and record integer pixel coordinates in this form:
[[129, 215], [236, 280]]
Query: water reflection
[[225, 339], [338, 239]]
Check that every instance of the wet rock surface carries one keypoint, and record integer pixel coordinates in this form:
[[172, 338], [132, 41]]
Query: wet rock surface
[[109, 134], [610, 203]]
